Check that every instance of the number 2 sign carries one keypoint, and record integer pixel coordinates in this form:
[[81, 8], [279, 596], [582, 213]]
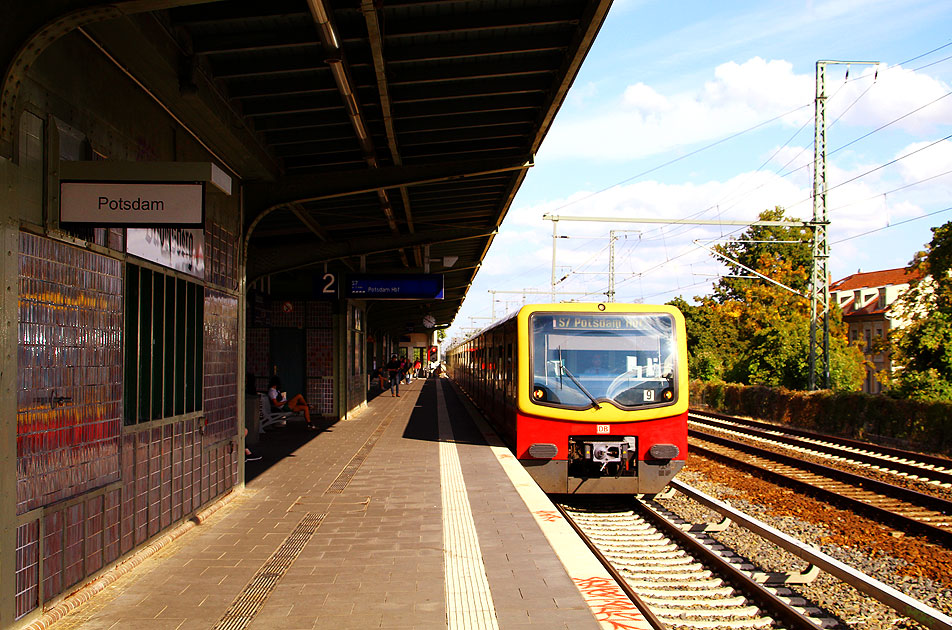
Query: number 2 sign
[[326, 286]]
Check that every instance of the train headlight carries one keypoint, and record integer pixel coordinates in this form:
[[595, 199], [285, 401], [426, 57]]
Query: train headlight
[[538, 393], [667, 395]]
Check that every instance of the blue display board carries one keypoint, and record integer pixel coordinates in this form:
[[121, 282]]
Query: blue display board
[[418, 286]]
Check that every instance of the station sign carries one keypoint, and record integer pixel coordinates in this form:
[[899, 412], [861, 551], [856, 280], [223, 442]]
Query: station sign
[[420, 286], [129, 204], [173, 248]]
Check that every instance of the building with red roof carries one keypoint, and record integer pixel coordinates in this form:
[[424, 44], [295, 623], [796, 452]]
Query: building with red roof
[[867, 301]]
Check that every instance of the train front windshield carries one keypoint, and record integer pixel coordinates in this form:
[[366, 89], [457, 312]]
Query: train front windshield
[[582, 360]]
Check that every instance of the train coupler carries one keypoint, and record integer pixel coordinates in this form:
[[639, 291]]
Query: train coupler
[[597, 457]]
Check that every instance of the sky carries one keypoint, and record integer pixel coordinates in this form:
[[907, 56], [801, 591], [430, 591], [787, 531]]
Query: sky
[[698, 110]]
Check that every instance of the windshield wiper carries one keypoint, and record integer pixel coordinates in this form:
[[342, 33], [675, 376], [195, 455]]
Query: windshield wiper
[[579, 385]]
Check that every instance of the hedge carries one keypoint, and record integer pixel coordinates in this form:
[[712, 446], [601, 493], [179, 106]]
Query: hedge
[[919, 426]]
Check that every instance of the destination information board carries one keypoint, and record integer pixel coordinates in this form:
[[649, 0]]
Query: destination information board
[[418, 286]]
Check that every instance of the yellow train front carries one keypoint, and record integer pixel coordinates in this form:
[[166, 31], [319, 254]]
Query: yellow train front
[[591, 398]]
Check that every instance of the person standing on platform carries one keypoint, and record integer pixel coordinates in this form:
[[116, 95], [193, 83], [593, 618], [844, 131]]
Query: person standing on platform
[[416, 368], [393, 369], [279, 401]]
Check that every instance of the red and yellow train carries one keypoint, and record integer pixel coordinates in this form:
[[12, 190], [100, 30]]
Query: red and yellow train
[[591, 398]]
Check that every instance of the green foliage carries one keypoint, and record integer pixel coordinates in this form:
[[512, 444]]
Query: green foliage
[[752, 331], [910, 424], [787, 248], [923, 348]]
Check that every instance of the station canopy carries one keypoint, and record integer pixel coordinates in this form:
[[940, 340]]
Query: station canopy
[[385, 136]]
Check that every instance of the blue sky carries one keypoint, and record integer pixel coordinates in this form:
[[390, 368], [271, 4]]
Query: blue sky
[[664, 80]]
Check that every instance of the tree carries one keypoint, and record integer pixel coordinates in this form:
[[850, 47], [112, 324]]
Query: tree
[[754, 332], [787, 247], [712, 339], [923, 349]]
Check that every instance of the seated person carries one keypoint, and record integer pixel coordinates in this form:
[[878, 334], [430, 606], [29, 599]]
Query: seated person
[[279, 401]]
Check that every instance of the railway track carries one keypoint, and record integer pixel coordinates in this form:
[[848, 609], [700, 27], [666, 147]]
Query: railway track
[[683, 578], [919, 467], [907, 510], [686, 580]]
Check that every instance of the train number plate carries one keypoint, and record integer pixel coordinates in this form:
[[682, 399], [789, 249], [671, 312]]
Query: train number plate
[[603, 428]]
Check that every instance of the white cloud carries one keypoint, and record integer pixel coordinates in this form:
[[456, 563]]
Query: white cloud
[[765, 87], [926, 162], [645, 99], [895, 93], [641, 121]]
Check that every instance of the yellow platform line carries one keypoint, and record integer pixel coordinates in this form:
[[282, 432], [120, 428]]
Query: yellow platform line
[[608, 602], [469, 604]]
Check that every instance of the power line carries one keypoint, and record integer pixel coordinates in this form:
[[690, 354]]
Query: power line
[[685, 156], [925, 54], [752, 128], [892, 122], [889, 192], [892, 225], [882, 166]]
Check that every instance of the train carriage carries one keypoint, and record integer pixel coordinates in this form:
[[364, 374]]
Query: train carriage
[[591, 398]]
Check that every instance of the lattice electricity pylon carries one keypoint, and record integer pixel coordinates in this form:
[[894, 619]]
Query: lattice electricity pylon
[[820, 276]]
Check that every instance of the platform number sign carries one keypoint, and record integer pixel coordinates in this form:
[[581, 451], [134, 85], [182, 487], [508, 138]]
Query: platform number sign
[[603, 428], [327, 286]]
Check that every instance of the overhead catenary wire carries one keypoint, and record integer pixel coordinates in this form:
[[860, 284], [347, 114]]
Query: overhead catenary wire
[[892, 225], [720, 208], [761, 124]]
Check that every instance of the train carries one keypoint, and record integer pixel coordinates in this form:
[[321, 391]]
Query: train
[[591, 398]]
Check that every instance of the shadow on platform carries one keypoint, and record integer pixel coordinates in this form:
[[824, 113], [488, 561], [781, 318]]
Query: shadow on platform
[[424, 420], [280, 442]]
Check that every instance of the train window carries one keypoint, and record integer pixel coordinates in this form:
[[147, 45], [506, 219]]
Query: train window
[[509, 369], [584, 359], [500, 373]]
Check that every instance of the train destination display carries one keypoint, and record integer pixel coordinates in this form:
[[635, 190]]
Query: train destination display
[[419, 286]]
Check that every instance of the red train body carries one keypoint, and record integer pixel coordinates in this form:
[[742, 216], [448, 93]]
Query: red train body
[[591, 398]]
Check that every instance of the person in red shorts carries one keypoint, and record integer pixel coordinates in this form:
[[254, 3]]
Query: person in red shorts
[[280, 402]]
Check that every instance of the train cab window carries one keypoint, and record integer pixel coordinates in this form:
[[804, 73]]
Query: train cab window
[[584, 359]]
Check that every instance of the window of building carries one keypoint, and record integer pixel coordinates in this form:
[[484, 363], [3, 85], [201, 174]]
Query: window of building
[[163, 346]]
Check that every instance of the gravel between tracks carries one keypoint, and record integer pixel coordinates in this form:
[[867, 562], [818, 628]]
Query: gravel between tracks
[[910, 564]]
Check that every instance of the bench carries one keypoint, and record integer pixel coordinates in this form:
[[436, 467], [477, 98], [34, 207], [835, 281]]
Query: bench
[[270, 417]]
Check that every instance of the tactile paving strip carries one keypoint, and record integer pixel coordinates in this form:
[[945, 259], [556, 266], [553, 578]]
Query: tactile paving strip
[[255, 594], [469, 602], [338, 485]]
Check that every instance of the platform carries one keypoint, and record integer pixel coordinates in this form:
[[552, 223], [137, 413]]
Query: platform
[[409, 515]]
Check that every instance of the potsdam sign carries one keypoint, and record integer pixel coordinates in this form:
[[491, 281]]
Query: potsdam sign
[[180, 204]]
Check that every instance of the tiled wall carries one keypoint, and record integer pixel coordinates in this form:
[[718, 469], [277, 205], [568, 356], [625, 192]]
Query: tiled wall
[[69, 369], [98, 488], [316, 318], [28, 567], [221, 358], [356, 359], [320, 357], [256, 357], [221, 254]]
